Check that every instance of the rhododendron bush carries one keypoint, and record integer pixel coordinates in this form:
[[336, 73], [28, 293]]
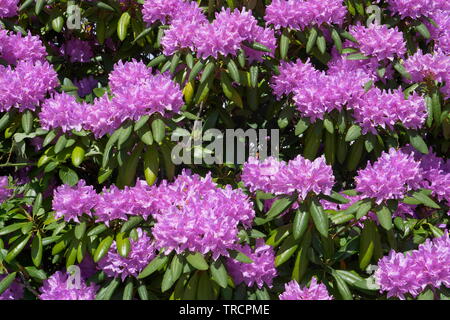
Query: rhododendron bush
[[355, 205]]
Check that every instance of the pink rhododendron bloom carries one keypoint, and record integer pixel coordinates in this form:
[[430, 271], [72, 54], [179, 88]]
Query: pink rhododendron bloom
[[58, 287], [261, 271], [141, 253], [390, 177], [297, 14], [196, 215], [298, 175], [71, 203], [8, 8], [315, 291]]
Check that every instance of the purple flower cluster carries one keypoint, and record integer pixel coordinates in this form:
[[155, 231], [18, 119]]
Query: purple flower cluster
[[435, 173], [390, 177], [85, 85], [135, 92], [141, 253], [261, 271], [440, 32], [62, 111], [77, 50], [26, 85], [14, 292], [192, 213], [316, 93], [315, 291], [189, 28], [378, 108], [417, 8], [8, 8], [15, 47], [298, 175], [112, 204], [379, 41], [196, 215], [428, 266], [168, 11], [434, 67], [72, 202], [57, 287], [296, 14], [5, 192]]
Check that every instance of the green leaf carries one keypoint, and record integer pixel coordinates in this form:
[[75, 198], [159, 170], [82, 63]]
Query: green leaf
[[190, 292], [77, 156], [312, 38], [319, 217], [68, 176], [284, 45], [233, 71], [131, 223], [11, 228], [6, 282], [157, 60], [60, 144], [385, 217], [417, 142], [97, 230], [128, 290], [353, 133], [300, 224], [219, 273], [423, 30], [123, 244], [197, 261], [321, 43], [107, 292], [105, 6], [279, 206], [195, 70], [357, 56], [287, 249], [103, 248], [158, 130], [36, 250], [366, 244], [424, 199], [258, 46], [39, 6], [363, 209], [122, 25], [401, 69], [142, 35], [154, 265], [17, 247], [342, 287], [240, 256], [337, 40], [302, 259], [209, 69], [313, 140], [301, 126], [27, 121], [57, 23], [143, 292], [254, 72]]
